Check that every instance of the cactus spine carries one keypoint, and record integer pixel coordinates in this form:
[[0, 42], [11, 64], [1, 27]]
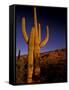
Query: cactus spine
[[34, 45]]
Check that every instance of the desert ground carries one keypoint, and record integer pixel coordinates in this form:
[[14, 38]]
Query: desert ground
[[53, 67]]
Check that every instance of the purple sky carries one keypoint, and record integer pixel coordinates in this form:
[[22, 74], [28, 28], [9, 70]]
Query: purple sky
[[54, 17]]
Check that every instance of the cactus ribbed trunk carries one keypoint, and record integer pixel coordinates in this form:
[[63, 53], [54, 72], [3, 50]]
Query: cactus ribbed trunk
[[30, 56]]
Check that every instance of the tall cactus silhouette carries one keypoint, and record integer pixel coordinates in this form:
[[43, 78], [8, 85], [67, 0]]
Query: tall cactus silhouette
[[34, 44]]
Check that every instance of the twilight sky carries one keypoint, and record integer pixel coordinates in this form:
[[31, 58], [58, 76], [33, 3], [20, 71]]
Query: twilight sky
[[56, 18]]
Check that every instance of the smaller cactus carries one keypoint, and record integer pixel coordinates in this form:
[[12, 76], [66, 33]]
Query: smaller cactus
[[19, 54]]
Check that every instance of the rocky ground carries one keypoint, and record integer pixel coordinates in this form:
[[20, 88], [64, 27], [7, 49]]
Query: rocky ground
[[53, 66]]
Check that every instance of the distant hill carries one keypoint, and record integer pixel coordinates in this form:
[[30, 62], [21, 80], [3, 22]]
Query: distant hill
[[51, 56], [54, 57]]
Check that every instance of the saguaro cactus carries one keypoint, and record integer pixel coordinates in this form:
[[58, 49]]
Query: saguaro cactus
[[34, 45]]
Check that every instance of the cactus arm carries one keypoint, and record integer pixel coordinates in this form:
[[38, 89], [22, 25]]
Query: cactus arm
[[36, 27], [39, 32], [35, 18], [24, 30], [46, 38]]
